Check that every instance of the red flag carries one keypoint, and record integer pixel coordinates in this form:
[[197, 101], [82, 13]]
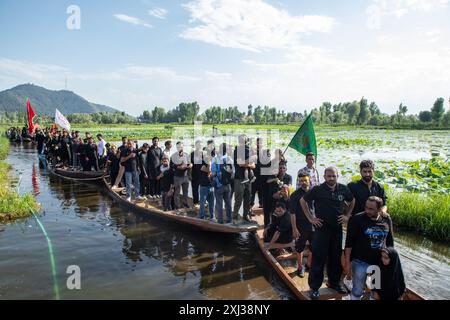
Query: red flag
[[30, 113]]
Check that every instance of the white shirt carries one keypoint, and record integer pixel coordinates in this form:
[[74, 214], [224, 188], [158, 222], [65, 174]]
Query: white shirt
[[101, 148]]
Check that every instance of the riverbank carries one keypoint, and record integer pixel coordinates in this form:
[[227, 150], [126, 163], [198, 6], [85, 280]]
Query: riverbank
[[12, 206], [427, 214]]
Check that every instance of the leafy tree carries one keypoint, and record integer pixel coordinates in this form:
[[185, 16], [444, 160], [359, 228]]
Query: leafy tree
[[438, 110]]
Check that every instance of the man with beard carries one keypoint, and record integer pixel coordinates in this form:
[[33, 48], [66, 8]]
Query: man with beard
[[155, 155], [366, 187], [368, 233], [333, 204]]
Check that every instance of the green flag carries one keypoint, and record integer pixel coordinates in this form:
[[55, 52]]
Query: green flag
[[304, 140]]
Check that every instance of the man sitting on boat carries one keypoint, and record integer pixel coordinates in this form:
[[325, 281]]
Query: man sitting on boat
[[279, 230]]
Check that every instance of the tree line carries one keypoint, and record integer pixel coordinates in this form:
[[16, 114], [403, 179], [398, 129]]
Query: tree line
[[348, 113]]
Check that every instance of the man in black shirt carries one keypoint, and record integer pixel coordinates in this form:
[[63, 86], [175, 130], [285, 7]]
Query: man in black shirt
[[302, 229], [129, 159], [206, 188], [242, 190], [333, 204], [155, 155], [197, 163], [144, 166], [120, 150], [278, 190], [367, 233], [167, 185], [366, 187], [280, 229], [91, 155]]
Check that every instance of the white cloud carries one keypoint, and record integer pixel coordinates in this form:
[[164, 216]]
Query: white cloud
[[251, 25], [132, 20], [159, 13], [33, 71], [378, 9], [389, 74]]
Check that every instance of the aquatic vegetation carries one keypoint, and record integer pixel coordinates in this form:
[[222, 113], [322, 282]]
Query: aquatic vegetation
[[428, 214], [422, 175], [12, 206]]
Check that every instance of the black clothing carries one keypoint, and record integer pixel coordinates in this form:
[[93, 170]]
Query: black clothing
[[283, 225], [131, 164], [361, 192], [392, 280], [303, 224], [240, 151], [367, 237], [329, 204]]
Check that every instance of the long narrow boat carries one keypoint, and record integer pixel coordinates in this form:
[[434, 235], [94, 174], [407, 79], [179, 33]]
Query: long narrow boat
[[286, 266], [78, 175], [182, 216]]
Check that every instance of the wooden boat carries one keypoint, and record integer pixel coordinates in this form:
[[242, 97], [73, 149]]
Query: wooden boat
[[187, 217], [78, 175], [286, 267]]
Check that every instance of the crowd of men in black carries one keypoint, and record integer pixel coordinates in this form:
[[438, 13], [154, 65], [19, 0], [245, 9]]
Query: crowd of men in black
[[313, 214]]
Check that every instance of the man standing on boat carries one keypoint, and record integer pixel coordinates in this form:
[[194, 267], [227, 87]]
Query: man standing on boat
[[366, 187], [101, 148], [242, 187], [120, 151], [333, 204], [181, 162], [129, 159], [368, 232], [311, 170], [222, 171], [155, 157], [302, 229]]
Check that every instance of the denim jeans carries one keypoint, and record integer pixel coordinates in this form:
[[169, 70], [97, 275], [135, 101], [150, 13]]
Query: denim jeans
[[132, 177], [206, 194], [223, 194], [359, 276]]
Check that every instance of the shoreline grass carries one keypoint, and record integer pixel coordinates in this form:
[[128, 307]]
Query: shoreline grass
[[427, 214], [12, 206]]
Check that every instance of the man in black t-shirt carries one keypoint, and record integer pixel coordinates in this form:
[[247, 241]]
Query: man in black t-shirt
[[366, 187], [302, 229], [120, 150], [155, 155], [129, 159], [278, 190], [242, 186], [367, 233], [333, 203], [206, 188], [280, 229]]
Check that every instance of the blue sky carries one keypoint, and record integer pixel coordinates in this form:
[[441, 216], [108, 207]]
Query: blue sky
[[134, 55]]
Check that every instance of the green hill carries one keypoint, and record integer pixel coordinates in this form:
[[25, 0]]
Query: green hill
[[45, 101]]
